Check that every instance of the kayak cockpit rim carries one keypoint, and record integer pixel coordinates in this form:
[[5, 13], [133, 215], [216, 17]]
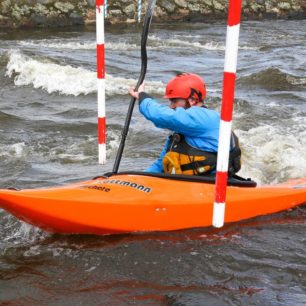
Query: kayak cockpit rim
[[232, 181]]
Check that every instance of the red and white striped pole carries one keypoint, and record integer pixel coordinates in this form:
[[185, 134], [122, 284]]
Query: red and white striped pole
[[230, 64], [101, 80]]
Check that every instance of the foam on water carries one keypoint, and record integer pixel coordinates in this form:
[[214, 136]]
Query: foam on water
[[63, 150], [76, 45], [154, 43], [162, 43], [83, 151], [58, 44], [65, 79], [272, 154], [23, 232], [113, 139], [16, 150], [159, 42], [49, 76], [296, 80], [120, 86]]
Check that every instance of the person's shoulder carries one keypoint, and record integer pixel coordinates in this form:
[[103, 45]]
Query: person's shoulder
[[203, 112], [201, 109]]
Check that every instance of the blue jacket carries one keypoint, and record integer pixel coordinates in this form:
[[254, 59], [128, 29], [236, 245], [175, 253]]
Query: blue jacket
[[199, 125]]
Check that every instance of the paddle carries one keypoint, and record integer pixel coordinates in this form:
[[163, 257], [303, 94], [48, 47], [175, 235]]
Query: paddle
[[144, 59]]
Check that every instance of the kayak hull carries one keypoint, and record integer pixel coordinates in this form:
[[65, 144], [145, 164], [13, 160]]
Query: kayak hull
[[140, 203]]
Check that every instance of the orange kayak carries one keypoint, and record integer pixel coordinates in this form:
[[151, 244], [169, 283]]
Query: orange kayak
[[140, 202]]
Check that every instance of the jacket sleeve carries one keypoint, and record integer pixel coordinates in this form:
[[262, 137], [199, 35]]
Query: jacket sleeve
[[157, 166], [179, 120]]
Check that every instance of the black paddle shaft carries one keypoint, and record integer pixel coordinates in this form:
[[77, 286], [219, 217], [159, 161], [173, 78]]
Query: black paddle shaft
[[144, 60]]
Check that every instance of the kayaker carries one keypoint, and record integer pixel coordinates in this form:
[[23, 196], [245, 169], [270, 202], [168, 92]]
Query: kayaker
[[192, 147]]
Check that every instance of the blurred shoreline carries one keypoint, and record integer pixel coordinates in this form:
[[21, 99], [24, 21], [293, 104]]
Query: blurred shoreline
[[53, 13]]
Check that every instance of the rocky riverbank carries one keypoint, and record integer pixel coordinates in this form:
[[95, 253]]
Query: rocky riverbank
[[54, 13]]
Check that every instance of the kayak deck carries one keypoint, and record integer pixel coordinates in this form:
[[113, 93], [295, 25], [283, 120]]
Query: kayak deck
[[137, 202]]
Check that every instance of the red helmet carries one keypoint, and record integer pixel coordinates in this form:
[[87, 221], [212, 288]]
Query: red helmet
[[186, 85]]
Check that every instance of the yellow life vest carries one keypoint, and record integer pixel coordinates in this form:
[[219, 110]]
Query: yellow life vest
[[182, 158]]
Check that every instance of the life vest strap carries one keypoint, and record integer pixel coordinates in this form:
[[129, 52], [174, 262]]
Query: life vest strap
[[208, 164], [200, 166]]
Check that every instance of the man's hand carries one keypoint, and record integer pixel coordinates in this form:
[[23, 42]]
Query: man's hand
[[134, 93]]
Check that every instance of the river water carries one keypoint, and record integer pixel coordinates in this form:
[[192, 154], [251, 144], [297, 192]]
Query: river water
[[48, 137]]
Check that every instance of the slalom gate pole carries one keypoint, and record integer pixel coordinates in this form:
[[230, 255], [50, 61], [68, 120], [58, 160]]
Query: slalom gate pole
[[229, 77], [101, 81], [139, 7], [105, 8]]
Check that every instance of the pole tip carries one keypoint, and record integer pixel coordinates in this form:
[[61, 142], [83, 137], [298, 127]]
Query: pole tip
[[218, 215], [102, 154]]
